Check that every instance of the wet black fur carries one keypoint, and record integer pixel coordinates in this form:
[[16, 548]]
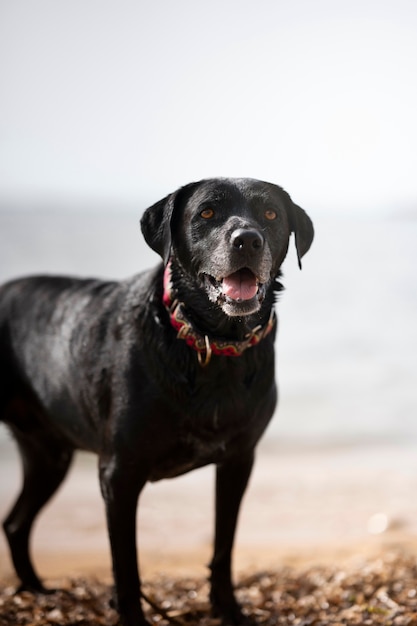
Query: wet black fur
[[96, 365]]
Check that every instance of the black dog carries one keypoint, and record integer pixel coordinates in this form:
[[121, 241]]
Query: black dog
[[158, 375]]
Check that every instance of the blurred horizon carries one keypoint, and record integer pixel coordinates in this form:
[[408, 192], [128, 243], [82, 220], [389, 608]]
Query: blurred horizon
[[71, 205], [346, 357]]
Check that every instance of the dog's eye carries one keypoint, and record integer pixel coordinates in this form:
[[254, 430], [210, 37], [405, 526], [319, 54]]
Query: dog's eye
[[270, 214], [207, 214]]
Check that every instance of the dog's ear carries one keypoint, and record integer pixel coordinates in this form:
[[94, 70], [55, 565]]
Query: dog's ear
[[157, 221], [156, 226], [301, 225]]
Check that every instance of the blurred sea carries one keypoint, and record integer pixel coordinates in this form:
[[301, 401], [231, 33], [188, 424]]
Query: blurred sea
[[347, 343]]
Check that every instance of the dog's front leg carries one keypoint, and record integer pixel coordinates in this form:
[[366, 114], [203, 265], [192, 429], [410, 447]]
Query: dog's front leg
[[231, 481], [120, 487]]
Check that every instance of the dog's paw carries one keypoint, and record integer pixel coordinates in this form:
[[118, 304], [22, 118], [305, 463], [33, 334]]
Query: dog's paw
[[233, 616], [238, 620], [35, 588], [241, 620]]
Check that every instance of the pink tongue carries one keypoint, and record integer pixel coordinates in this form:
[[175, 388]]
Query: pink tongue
[[240, 286]]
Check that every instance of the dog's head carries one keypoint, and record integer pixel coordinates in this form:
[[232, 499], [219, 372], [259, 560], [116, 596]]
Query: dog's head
[[229, 235]]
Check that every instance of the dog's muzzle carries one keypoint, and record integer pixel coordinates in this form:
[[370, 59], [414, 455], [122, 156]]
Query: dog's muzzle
[[238, 293], [206, 346]]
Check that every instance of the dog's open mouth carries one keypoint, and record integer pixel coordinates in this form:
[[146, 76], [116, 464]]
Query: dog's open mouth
[[239, 293], [241, 285]]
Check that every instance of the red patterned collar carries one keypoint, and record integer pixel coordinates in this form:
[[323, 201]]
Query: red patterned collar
[[202, 344]]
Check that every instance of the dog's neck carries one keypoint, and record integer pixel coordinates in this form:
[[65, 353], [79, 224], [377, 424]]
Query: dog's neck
[[225, 337]]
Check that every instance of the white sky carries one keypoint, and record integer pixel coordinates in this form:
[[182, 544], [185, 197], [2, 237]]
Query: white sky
[[124, 101]]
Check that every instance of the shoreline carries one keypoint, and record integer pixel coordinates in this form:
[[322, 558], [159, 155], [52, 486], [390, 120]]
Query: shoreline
[[55, 567]]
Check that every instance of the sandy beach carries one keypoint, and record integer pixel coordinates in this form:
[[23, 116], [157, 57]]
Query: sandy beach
[[327, 535], [304, 505]]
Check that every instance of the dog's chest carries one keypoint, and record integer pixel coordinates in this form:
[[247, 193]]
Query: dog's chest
[[207, 430], [216, 421]]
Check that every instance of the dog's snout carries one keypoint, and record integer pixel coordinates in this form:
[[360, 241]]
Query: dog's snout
[[247, 239]]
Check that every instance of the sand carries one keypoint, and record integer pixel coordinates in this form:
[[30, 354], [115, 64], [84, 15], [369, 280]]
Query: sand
[[326, 536], [304, 505]]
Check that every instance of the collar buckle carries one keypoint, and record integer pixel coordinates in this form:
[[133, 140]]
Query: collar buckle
[[206, 360]]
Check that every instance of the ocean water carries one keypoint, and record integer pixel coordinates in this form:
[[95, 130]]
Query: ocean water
[[347, 341]]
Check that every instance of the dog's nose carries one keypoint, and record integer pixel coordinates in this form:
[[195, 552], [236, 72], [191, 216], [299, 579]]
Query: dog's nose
[[247, 239]]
